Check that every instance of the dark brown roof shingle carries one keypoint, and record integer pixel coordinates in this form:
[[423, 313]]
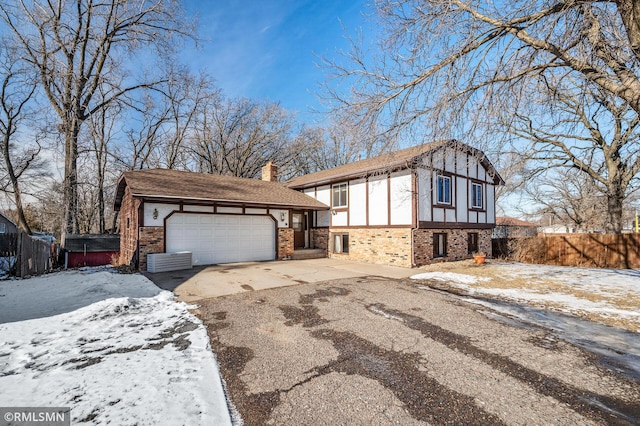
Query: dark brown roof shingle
[[394, 160], [181, 185]]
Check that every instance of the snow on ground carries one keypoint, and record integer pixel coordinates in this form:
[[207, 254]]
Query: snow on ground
[[605, 295], [597, 309], [112, 347]]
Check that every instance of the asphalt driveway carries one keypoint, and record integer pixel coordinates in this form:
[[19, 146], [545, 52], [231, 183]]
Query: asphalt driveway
[[375, 350], [219, 280]]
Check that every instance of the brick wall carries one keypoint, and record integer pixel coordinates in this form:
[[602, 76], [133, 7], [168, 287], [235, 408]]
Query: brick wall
[[389, 246], [457, 244], [151, 241], [285, 243], [128, 227], [320, 238]]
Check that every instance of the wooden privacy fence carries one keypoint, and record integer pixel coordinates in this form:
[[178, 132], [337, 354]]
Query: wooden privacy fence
[[30, 256], [596, 250]]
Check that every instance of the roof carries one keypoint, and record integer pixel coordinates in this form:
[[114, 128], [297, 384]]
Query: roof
[[7, 219], [510, 221], [92, 243], [189, 186], [406, 158]]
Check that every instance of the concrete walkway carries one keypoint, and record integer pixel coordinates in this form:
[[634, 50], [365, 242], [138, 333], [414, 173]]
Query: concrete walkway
[[219, 280]]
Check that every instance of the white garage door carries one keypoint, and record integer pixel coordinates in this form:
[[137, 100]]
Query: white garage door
[[220, 238]]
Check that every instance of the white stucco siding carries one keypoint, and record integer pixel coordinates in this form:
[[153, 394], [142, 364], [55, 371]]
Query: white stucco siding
[[236, 210], [450, 215], [482, 173], [424, 195], [400, 192], [199, 209], [163, 211], [473, 217], [438, 214], [339, 218], [450, 161], [473, 167], [323, 194], [491, 207], [283, 222], [358, 202], [255, 211], [461, 163], [378, 197], [462, 197], [482, 217], [311, 192]]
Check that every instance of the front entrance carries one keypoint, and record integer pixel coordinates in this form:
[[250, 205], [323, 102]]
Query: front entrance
[[299, 225]]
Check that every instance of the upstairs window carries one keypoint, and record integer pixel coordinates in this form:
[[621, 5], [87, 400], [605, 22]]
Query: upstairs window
[[476, 195], [339, 195], [444, 190]]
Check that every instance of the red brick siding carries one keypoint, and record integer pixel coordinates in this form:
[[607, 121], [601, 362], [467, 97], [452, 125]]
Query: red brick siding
[[151, 241], [128, 234], [457, 244], [388, 246], [320, 238], [285, 243]]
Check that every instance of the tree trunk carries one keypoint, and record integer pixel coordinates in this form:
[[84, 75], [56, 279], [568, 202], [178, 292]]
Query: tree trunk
[[615, 200], [71, 225], [17, 194]]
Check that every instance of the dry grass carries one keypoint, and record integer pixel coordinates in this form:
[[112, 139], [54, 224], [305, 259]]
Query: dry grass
[[623, 300]]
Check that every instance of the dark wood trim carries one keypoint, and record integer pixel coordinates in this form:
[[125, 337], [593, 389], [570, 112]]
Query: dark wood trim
[[348, 202], [366, 188], [141, 216], [389, 199], [178, 202], [451, 225], [415, 199]]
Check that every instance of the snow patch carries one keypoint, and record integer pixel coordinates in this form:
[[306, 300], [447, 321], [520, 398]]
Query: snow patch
[[449, 276]]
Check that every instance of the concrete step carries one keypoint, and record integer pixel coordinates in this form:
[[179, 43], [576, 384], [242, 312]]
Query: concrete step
[[301, 254]]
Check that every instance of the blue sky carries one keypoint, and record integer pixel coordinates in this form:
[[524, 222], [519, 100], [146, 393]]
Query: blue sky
[[267, 49]]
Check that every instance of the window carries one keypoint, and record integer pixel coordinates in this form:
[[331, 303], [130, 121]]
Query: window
[[439, 245], [476, 195], [339, 195], [341, 243], [444, 190], [472, 242], [3, 228]]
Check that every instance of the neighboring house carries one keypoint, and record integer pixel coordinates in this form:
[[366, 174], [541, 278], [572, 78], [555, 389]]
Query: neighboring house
[[220, 219], [509, 227], [8, 231], [7, 226], [411, 207], [91, 250]]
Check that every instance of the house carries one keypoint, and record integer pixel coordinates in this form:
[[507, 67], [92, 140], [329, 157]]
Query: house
[[7, 226], [428, 203], [91, 250], [510, 227], [220, 219], [411, 207]]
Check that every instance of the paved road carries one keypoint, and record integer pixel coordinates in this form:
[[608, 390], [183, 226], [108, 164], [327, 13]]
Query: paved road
[[374, 351]]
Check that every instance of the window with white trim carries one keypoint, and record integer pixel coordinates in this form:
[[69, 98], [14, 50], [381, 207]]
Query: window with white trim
[[3, 228], [339, 195], [476, 195], [443, 189]]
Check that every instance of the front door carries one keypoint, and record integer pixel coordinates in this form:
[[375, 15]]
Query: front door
[[298, 225]]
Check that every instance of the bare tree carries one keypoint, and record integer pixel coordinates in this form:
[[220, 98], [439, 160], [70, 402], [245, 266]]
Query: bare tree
[[79, 46], [18, 87], [456, 68], [238, 136]]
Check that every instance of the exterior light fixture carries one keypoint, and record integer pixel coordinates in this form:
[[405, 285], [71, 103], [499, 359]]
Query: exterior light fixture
[[155, 213], [282, 216]]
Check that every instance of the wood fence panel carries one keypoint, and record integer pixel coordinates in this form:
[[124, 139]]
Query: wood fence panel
[[594, 250], [34, 256]]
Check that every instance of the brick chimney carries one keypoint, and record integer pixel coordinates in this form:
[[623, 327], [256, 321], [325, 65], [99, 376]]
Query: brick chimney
[[270, 172]]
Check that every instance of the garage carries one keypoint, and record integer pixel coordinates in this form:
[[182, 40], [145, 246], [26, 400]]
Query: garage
[[222, 238]]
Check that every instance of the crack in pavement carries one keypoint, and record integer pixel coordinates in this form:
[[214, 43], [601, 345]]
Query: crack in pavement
[[599, 407]]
